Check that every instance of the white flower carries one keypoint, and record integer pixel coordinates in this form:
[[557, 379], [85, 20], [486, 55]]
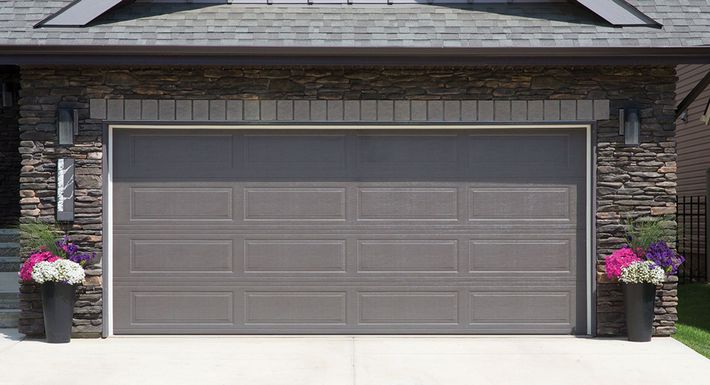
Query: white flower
[[642, 272], [61, 270]]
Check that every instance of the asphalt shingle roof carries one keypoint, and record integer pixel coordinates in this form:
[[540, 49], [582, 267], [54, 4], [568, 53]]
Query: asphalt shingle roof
[[686, 23]]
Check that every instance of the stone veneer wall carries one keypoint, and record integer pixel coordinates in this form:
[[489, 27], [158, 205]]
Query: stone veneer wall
[[636, 181], [9, 156]]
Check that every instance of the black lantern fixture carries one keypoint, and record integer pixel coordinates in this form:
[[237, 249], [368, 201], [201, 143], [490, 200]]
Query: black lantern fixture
[[8, 94], [67, 125], [630, 126]]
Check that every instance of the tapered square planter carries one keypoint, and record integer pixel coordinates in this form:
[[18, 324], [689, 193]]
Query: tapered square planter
[[638, 305], [58, 307]]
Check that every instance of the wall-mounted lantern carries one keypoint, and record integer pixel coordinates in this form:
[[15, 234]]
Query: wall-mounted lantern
[[8, 94], [630, 126], [65, 190], [67, 125]]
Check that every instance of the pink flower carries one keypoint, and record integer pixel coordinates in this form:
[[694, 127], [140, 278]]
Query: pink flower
[[618, 260], [32, 260]]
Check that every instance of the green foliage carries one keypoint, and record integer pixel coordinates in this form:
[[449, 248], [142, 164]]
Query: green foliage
[[36, 236], [644, 231], [694, 317]]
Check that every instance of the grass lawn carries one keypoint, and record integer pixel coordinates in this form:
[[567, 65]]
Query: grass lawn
[[694, 317]]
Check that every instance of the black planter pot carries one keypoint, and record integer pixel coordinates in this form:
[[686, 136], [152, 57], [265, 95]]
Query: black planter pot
[[58, 306], [638, 306]]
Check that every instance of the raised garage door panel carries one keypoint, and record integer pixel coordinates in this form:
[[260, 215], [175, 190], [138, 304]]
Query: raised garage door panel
[[453, 231]]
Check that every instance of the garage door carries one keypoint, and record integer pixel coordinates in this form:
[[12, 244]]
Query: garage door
[[456, 231]]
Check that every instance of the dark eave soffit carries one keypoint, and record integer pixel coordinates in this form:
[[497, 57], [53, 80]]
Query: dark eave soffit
[[181, 55]]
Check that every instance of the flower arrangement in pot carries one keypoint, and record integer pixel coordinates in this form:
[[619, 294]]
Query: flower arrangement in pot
[[640, 266], [58, 266]]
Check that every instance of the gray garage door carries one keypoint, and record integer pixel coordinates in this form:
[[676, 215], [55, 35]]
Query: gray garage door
[[478, 231]]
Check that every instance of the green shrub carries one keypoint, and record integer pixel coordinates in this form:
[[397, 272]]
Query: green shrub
[[640, 233], [36, 236]]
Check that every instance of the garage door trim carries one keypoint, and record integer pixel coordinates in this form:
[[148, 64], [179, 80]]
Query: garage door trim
[[107, 263]]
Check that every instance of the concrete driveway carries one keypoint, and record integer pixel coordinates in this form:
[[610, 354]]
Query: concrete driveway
[[335, 360]]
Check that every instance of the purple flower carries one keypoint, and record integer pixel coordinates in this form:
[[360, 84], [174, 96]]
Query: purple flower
[[665, 257], [82, 259], [71, 251], [65, 245]]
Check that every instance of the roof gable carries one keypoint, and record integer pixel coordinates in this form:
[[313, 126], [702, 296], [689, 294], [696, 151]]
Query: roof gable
[[80, 13], [490, 33]]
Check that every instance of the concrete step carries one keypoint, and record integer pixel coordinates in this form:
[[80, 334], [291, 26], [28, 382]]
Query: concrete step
[[9, 282], [9, 249], [9, 301], [10, 264], [9, 318], [9, 235]]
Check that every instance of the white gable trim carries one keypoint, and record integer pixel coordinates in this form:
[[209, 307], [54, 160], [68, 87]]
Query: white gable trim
[[79, 13], [619, 13]]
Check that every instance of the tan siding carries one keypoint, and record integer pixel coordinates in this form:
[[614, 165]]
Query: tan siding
[[693, 136], [688, 77]]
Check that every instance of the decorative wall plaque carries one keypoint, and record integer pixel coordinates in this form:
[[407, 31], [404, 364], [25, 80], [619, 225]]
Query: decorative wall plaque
[[65, 190]]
